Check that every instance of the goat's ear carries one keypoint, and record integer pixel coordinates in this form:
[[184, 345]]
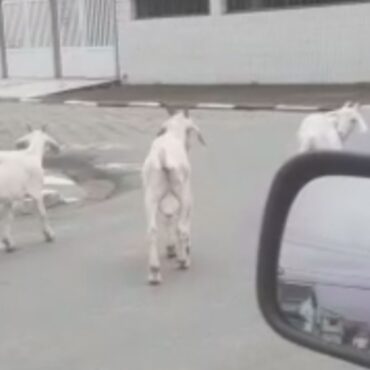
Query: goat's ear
[[186, 112], [201, 138], [170, 110], [361, 123], [21, 144], [44, 127], [356, 106], [54, 147], [199, 135], [161, 131], [29, 127], [347, 104]]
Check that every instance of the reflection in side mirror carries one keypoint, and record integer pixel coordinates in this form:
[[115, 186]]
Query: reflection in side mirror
[[313, 275], [324, 264]]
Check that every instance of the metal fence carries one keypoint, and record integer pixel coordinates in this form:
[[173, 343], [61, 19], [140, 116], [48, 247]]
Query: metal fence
[[86, 22], [27, 24], [170, 8], [248, 5], [41, 36], [99, 27]]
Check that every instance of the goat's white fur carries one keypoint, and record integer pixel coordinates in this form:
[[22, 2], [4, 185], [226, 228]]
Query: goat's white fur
[[22, 175], [167, 190], [329, 131]]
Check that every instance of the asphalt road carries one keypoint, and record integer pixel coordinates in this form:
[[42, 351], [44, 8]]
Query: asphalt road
[[322, 95], [83, 302]]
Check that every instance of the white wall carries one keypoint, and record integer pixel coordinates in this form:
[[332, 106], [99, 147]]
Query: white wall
[[327, 44], [30, 62], [88, 62]]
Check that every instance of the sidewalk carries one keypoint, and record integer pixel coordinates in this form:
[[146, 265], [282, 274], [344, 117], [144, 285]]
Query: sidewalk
[[326, 96], [15, 88]]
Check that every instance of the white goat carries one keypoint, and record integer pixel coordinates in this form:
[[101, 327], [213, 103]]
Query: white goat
[[167, 189], [329, 131], [22, 175]]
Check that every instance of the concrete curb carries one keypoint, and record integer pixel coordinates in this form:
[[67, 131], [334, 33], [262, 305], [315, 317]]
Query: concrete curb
[[195, 106]]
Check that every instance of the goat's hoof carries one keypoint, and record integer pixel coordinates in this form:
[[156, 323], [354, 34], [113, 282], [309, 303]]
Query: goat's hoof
[[10, 249], [171, 252], [154, 277], [9, 246], [49, 236], [184, 264], [154, 281]]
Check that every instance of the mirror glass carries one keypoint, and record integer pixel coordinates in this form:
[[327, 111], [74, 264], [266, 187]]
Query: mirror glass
[[324, 265]]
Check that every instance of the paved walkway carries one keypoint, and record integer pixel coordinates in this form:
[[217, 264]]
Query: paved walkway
[[36, 88]]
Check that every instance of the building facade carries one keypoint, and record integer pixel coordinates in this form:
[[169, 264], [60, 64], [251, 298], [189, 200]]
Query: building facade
[[244, 41], [187, 41]]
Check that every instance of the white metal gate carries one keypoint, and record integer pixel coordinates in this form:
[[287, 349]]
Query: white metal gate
[[28, 38], [58, 38], [87, 38]]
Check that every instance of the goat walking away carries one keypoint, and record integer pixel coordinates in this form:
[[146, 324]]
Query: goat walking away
[[330, 130], [166, 176], [22, 175]]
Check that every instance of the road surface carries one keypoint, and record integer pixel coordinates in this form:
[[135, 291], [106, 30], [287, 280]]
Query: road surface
[[326, 95], [83, 302]]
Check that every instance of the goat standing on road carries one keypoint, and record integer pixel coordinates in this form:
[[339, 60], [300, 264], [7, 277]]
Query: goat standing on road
[[167, 189], [22, 175], [330, 130]]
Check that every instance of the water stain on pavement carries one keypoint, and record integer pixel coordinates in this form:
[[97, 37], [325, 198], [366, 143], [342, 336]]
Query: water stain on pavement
[[99, 179]]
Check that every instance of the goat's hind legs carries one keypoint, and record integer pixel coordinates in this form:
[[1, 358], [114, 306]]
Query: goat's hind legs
[[154, 275], [8, 220], [46, 228]]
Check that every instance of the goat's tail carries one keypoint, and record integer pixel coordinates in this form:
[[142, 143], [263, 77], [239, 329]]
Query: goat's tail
[[163, 160], [170, 203]]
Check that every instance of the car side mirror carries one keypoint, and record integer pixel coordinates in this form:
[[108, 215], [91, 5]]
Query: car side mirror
[[313, 275]]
